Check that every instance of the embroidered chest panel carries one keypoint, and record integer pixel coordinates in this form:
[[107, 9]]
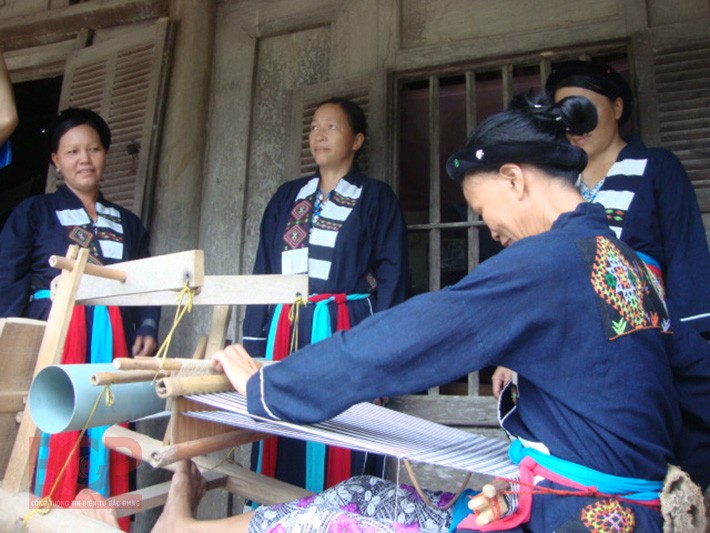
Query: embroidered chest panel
[[331, 215], [628, 297], [104, 238]]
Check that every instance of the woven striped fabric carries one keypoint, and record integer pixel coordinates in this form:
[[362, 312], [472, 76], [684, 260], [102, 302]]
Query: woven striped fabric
[[369, 428]]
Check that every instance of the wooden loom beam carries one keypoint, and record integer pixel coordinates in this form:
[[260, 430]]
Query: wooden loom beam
[[24, 453], [152, 281], [242, 481]]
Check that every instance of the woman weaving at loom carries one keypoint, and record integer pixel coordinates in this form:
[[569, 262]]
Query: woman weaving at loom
[[347, 233], [597, 408]]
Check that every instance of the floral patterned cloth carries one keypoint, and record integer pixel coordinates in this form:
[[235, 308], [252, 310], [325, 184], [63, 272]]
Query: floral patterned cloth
[[362, 504]]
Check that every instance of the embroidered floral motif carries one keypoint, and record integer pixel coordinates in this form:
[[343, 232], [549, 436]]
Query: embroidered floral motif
[[608, 516], [109, 236], [630, 298], [296, 233], [80, 236], [295, 236], [330, 225], [344, 201], [615, 215], [85, 239], [301, 209]]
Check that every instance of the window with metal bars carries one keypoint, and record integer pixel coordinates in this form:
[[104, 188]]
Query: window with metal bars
[[436, 112]]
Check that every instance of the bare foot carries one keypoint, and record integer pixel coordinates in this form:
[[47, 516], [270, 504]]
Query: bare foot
[[186, 490]]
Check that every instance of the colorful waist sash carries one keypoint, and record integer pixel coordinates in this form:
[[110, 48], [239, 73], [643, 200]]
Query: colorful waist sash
[[277, 347], [653, 265], [586, 481], [40, 295]]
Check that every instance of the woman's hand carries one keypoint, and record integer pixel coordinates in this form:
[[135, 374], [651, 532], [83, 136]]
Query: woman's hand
[[144, 346], [237, 364], [501, 377]]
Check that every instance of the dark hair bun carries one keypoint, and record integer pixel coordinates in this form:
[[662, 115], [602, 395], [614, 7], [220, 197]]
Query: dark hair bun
[[598, 77], [574, 114], [578, 114]]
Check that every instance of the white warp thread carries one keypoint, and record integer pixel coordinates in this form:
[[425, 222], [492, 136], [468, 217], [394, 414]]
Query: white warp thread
[[370, 428]]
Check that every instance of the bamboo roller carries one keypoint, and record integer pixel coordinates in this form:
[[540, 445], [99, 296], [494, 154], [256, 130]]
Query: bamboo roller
[[126, 376], [187, 450], [181, 386], [168, 364]]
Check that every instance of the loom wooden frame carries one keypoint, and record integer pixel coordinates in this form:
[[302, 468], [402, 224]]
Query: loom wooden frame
[[155, 281]]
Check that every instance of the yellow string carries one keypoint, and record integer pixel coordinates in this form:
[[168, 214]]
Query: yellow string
[[293, 317], [180, 311], [44, 506]]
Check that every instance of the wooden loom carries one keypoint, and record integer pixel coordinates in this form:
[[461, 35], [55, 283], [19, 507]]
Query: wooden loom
[[152, 281]]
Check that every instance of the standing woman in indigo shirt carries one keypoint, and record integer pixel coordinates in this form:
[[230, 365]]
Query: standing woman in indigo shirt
[[76, 213], [649, 199], [346, 231], [46, 225]]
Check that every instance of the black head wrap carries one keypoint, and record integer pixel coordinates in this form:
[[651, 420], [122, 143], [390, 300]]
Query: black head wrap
[[597, 77], [560, 156], [72, 117], [531, 130]]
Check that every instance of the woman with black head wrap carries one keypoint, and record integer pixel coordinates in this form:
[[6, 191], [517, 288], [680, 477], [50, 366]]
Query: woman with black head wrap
[[649, 200], [595, 413]]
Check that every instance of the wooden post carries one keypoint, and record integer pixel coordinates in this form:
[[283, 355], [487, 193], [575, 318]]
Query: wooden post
[[24, 453], [218, 329], [20, 339]]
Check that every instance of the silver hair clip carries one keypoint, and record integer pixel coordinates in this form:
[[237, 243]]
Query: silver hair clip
[[479, 154]]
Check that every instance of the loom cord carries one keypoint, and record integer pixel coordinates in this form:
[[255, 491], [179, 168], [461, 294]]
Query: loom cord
[[494, 503], [293, 317], [44, 506], [179, 313], [424, 497], [587, 492]]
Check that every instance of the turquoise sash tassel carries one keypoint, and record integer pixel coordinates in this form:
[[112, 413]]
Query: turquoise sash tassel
[[648, 260], [42, 458], [321, 329], [315, 451], [40, 294], [43, 452], [628, 487], [101, 352]]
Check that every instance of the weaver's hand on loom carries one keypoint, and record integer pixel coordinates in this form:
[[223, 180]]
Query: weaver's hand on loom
[[237, 364], [490, 504]]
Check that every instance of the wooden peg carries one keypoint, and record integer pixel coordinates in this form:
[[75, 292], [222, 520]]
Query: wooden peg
[[57, 261]]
